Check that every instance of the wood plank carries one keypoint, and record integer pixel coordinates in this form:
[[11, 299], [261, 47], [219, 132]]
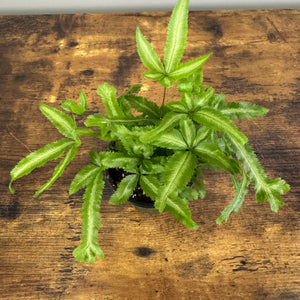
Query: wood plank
[[255, 255]]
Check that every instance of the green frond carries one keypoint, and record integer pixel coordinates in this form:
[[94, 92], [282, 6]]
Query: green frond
[[71, 106], [83, 178], [241, 190], [119, 160], [89, 248], [209, 152], [125, 189], [141, 104], [38, 158], [169, 121], [58, 171], [213, 119], [150, 185], [178, 172], [171, 140], [177, 35], [188, 131], [188, 68], [108, 95], [147, 54], [179, 208], [63, 122], [242, 110], [265, 188]]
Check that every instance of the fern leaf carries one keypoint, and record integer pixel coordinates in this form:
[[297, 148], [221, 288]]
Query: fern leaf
[[178, 172], [204, 98], [147, 54], [186, 69], [141, 104], [169, 121], [209, 152], [188, 131], [154, 76], [241, 189], [82, 100], [213, 119], [119, 160], [240, 110], [177, 106], [179, 208], [125, 189], [150, 185], [171, 140], [64, 123], [71, 106], [83, 178], [58, 171], [265, 188], [108, 95], [39, 158], [177, 35], [89, 248]]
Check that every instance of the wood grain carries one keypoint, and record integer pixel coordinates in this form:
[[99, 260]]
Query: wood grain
[[255, 255]]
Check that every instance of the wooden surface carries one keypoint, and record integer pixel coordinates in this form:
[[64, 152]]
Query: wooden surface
[[46, 59]]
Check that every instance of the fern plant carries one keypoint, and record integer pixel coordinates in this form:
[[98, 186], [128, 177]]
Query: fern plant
[[161, 148]]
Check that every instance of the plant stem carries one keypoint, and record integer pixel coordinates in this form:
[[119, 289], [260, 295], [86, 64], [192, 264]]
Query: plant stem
[[164, 97]]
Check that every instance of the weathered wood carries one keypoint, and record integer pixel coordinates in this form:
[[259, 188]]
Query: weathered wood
[[46, 59]]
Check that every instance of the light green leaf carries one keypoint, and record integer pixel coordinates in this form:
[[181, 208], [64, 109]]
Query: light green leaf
[[119, 160], [141, 104], [154, 76], [200, 186], [265, 188], [177, 35], [202, 134], [89, 248], [204, 98], [150, 185], [188, 68], [95, 158], [82, 100], [187, 100], [188, 131], [71, 106], [169, 121], [241, 189], [240, 110], [133, 89], [147, 54], [38, 158], [58, 171], [64, 123], [177, 106], [125, 189], [100, 120], [213, 119], [209, 152], [167, 81], [178, 172], [171, 140], [179, 208], [108, 95], [83, 178]]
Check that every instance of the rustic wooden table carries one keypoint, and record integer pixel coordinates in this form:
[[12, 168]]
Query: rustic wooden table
[[49, 58]]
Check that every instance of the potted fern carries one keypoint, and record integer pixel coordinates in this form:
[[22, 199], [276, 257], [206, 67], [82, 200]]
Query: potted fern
[[160, 149]]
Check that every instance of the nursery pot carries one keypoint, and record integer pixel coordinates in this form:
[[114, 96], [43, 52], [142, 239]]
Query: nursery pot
[[138, 199]]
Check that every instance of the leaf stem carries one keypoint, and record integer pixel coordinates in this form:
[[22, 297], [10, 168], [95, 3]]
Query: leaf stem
[[164, 97]]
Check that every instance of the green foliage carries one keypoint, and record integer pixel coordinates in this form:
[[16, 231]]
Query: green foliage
[[162, 149]]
